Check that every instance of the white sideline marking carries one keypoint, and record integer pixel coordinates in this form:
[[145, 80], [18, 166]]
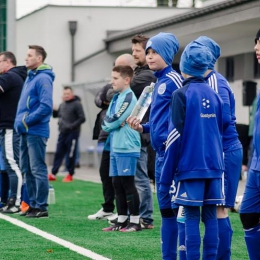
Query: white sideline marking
[[80, 250]]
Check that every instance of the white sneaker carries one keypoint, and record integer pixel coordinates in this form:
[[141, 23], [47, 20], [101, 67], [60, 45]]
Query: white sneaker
[[101, 214], [112, 217]]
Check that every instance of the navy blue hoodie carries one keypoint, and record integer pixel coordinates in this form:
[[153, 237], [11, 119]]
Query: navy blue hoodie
[[11, 84], [194, 144]]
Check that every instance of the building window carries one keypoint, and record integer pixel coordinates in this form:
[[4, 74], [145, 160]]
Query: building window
[[256, 68], [2, 25], [230, 65]]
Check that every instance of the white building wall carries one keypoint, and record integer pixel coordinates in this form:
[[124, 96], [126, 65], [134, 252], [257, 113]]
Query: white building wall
[[49, 28], [242, 112]]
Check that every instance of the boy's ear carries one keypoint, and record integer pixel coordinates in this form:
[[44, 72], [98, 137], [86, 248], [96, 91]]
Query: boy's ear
[[128, 80]]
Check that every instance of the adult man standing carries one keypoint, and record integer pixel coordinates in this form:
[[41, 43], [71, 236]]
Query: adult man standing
[[11, 83], [143, 77], [71, 116], [32, 122]]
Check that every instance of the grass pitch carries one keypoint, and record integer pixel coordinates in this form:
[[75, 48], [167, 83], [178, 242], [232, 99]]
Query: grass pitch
[[68, 220]]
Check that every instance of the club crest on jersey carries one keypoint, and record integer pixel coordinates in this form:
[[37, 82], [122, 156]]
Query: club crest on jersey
[[161, 88], [205, 103]]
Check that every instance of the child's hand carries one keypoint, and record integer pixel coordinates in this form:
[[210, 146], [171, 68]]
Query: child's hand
[[134, 123], [123, 124]]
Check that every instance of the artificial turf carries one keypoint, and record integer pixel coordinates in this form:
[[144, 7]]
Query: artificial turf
[[68, 220]]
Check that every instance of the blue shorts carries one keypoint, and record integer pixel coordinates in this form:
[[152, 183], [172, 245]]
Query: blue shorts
[[199, 192], [122, 166], [251, 198], [233, 164]]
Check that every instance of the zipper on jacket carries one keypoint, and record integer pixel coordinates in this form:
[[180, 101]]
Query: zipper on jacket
[[24, 123], [28, 102]]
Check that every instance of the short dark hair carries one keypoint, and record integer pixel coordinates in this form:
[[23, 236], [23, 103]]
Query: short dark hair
[[67, 87], [9, 56], [141, 39], [124, 71], [39, 50]]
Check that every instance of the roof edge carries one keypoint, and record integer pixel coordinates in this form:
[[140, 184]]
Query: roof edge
[[177, 19]]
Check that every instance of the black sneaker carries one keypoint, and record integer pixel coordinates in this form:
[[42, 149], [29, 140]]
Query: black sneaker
[[131, 227], [116, 227], [10, 208], [37, 213], [112, 221]]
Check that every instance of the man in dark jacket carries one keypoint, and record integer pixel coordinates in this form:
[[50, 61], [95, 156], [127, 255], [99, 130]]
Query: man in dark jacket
[[11, 83], [102, 100], [143, 77], [71, 116]]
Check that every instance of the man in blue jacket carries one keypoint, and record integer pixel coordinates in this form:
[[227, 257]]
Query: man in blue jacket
[[32, 122]]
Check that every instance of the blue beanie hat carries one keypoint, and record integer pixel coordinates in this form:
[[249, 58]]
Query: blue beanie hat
[[165, 44], [213, 47], [195, 59]]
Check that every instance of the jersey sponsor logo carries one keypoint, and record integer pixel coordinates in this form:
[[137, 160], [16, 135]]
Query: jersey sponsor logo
[[207, 115], [205, 103], [161, 88], [122, 109], [184, 195]]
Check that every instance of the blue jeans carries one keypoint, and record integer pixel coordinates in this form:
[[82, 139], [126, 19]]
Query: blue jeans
[[32, 159], [142, 183]]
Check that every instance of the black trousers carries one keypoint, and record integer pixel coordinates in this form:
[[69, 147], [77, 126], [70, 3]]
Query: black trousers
[[4, 186], [107, 186], [66, 145]]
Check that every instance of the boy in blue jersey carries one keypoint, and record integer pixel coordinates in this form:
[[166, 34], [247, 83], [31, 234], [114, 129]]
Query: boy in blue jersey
[[233, 151], [124, 150], [250, 206], [160, 51], [196, 127]]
